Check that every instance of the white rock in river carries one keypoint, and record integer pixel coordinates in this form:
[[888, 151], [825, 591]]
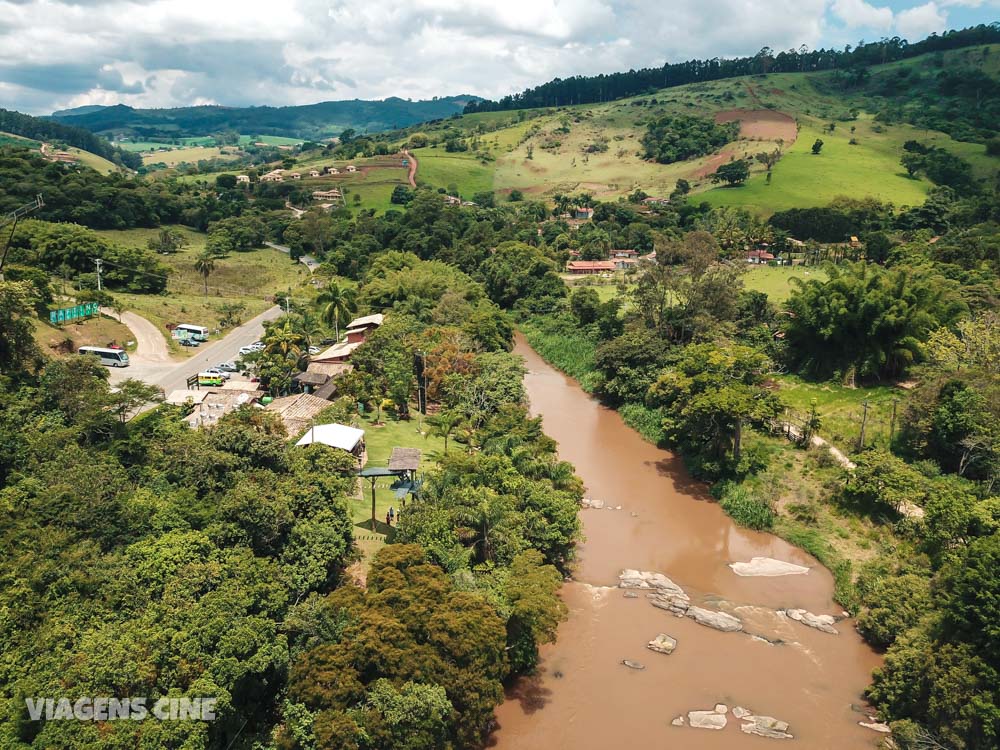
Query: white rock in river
[[714, 619], [706, 720], [678, 721], [876, 726], [766, 726], [721, 708], [820, 622], [767, 566], [641, 579], [739, 712], [662, 644]]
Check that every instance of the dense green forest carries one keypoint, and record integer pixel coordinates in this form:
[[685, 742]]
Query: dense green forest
[[45, 130]]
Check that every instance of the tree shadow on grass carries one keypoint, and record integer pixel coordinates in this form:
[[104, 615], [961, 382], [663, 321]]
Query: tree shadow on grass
[[381, 527]]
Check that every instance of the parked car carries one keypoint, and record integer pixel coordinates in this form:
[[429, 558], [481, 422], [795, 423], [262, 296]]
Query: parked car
[[314, 350], [189, 342], [327, 342], [227, 366], [244, 350], [221, 373]]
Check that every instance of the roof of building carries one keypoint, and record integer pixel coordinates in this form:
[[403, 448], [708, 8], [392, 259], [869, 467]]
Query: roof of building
[[367, 320], [183, 396], [338, 351], [330, 369], [311, 378], [591, 265], [299, 406], [327, 390], [404, 459], [335, 435]]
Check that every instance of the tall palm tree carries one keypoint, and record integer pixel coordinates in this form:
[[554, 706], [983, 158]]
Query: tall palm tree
[[284, 341], [444, 424], [204, 265], [338, 304]]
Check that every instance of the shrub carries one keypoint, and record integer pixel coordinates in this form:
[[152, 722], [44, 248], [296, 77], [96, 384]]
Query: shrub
[[744, 507]]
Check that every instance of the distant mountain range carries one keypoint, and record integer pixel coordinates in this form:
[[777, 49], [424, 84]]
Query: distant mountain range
[[313, 121]]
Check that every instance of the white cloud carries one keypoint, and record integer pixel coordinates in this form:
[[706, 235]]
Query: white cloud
[[860, 14], [58, 53], [915, 23]]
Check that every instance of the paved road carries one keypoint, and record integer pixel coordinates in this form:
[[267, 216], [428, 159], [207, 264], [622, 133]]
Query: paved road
[[310, 262], [171, 376]]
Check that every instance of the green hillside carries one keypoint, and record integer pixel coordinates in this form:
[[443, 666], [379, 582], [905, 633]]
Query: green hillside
[[596, 148]]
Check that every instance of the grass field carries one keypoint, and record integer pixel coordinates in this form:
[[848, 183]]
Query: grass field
[[99, 331], [271, 140], [803, 179], [380, 440], [189, 155], [841, 409], [9, 139], [438, 168], [252, 279], [774, 281]]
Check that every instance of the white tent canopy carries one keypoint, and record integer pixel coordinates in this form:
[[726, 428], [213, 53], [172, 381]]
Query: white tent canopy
[[335, 435]]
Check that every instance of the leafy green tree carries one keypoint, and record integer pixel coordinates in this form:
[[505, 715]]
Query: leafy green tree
[[585, 304], [817, 146], [867, 320], [732, 173], [532, 590], [710, 394]]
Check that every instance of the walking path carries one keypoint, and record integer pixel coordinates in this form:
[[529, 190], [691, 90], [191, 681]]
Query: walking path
[[907, 509], [412, 174]]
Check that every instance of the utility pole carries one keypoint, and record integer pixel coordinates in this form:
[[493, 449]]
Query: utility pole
[[892, 422], [98, 261], [864, 423], [12, 219]]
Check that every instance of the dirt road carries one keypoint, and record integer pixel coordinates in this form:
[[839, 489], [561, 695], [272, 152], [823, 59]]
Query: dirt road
[[150, 345]]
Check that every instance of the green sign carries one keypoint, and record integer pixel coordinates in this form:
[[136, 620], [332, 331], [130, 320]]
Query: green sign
[[66, 314]]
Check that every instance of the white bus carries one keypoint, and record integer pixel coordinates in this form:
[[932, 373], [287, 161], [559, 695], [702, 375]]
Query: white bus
[[109, 357], [186, 330]]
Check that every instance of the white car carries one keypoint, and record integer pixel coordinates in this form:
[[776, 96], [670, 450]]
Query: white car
[[218, 373], [244, 350], [314, 350]]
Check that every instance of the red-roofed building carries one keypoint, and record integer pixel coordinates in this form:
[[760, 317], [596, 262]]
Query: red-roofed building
[[590, 266], [759, 256]]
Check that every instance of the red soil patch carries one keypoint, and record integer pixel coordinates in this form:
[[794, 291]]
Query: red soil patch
[[762, 124]]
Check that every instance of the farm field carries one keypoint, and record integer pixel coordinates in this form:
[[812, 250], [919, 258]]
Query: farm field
[[188, 155], [841, 408], [463, 171]]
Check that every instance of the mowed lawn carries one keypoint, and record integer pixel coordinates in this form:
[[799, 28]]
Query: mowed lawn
[[802, 179], [190, 155], [776, 281], [380, 440]]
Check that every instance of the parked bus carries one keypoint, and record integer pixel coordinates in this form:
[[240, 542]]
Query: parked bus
[[210, 378], [109, 357], [186, 330]]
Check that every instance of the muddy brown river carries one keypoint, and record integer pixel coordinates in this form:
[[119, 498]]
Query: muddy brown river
[[582, 695]]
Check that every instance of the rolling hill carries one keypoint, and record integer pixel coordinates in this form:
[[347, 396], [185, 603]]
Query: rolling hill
[[315, 121], [598, 149]]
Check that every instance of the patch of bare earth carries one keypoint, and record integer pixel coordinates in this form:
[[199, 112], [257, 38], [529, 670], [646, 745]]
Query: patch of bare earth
[[761, 124]]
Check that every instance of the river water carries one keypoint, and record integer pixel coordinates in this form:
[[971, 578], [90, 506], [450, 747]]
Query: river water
[[582, 695]]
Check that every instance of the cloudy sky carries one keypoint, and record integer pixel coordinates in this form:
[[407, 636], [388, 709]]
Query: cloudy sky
[[160, 53]]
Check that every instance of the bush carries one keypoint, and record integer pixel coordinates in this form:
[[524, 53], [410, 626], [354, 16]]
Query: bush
[[744, 507]]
